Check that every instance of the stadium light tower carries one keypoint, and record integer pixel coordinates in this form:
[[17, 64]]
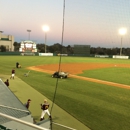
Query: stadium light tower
[[122, 32], [29, 34], [45, 29]]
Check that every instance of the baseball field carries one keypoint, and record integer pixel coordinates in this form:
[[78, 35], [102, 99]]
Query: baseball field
[[96, 92]]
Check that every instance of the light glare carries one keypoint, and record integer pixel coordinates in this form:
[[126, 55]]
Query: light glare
[[45, 28], [122, 31]]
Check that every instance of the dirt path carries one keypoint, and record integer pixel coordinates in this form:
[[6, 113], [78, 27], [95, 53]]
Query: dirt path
[[74, 69]]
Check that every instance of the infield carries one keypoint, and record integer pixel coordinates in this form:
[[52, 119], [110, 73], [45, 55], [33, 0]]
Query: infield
[[76, 68]]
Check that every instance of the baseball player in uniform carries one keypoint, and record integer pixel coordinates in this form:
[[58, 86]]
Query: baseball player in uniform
[[28, 103], [13, 74], [45, 110]]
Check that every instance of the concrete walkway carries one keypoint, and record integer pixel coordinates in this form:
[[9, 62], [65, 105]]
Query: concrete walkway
[[23, 91]]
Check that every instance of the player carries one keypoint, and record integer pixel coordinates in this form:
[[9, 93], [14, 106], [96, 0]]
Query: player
[[45, 110], [28, 103], [17, 65], [13, 74], [7, 83]]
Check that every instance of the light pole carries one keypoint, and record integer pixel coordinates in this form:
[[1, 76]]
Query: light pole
[[122, 31], [45, 29], [29, 34]]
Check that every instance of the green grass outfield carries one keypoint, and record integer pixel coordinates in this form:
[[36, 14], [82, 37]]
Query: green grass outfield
[[98, 106]]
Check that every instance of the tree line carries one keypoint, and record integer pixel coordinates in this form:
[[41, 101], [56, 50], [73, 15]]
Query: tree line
[[58, 48]]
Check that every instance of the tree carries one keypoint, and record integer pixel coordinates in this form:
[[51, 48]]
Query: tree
[[16, 46], [69, 50], [41, 47], [57, 48], [2, 48]]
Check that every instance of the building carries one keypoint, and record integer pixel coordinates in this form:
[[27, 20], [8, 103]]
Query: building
[[7, 41]]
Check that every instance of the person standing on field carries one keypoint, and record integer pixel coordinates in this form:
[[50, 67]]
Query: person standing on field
[[13, 74], [17, 65], [28, 103], [7, 83], [45, 110]]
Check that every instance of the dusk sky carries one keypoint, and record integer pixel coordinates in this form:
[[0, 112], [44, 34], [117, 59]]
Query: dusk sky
[[86, 22]]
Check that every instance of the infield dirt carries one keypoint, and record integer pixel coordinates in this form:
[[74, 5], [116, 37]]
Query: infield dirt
[[78, 68]]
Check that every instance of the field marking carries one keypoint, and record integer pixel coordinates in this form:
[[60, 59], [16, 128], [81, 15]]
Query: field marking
[[101, 81], [63, 126]]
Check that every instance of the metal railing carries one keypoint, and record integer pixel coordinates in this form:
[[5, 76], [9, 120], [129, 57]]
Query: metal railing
[[14, 108], [23, 122]]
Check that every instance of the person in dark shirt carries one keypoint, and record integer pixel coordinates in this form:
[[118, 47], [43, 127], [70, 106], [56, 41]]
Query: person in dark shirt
[[45, 110], [17, 65], [7, 83], [28, 103]]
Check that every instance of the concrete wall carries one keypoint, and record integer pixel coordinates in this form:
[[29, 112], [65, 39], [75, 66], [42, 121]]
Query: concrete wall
[[7, 41]]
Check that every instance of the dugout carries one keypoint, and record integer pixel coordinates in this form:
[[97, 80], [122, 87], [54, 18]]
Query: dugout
[[81, 50]]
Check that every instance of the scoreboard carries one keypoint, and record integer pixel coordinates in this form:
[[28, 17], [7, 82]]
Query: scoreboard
[[28, 46], [82, 50]]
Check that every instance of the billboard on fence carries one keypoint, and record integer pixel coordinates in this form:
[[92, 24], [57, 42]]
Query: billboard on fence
[[45, 54]]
